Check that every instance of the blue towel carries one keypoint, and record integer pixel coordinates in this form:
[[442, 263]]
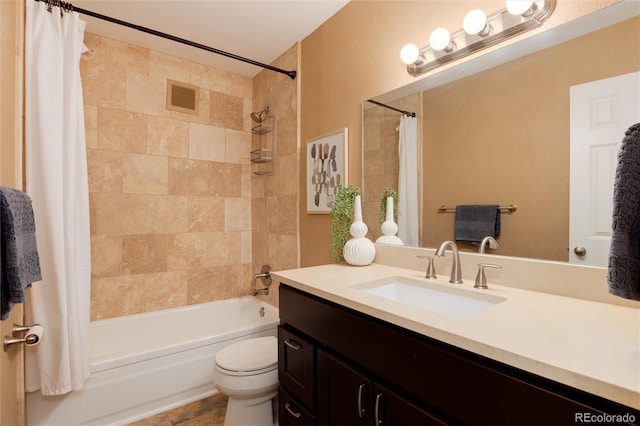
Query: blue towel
[[623, 274], [476, 221], [19, 260]]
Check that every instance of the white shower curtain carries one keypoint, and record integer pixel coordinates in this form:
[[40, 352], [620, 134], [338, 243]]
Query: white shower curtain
[[56, 175], [408, 181]]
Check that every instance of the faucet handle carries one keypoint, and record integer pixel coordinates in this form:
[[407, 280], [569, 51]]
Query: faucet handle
[[481, 278], [431, 270]]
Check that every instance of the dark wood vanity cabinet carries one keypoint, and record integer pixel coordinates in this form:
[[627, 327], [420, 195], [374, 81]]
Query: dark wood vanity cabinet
[[341, 367], [347, 397]]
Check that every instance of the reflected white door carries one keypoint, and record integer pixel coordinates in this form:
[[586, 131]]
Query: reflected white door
[[601, 111]]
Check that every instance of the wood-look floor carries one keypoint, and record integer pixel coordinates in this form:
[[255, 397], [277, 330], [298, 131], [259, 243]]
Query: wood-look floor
[[206, 412]]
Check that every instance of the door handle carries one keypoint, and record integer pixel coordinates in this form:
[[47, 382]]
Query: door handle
[[293, 344], [32, 337], [579, 251], [290, 410], [378, 421], [360, 409]]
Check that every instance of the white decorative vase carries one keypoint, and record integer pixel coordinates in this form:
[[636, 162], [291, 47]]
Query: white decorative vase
[[389, 228], [359, 250]]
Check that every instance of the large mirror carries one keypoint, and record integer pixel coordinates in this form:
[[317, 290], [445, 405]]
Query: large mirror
[[496, 130]]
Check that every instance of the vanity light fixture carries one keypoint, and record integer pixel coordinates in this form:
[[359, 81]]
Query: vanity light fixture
[[479, 31]]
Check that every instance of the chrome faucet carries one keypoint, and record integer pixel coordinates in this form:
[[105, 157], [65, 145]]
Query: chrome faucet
[[493, 244], [456, 273]]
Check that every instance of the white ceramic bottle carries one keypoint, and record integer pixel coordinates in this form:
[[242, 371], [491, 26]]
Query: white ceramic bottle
[[359, 250]]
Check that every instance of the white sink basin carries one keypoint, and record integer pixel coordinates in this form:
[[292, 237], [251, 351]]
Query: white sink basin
[[452, 301]]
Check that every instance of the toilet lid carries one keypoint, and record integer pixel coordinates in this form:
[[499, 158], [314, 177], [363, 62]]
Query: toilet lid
[[249, 355]]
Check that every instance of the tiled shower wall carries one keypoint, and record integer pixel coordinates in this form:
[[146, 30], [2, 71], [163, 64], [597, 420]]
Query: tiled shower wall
[[275, 206], [170, 192]]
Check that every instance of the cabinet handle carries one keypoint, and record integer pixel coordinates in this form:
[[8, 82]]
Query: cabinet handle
[[360, 409], [290, 410], [377, 416], [292, 344]]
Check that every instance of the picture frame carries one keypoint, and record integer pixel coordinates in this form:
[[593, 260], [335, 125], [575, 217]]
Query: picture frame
[[327, 159]]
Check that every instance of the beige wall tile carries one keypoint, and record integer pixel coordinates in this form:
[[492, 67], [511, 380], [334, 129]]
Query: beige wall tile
[[145, 174], [238, 146], [125, 214], [239, 85], [146, 95], [167, 137], [226, 110], [120, 130], [225, 180], [186, 251], [223, 248], [237, 214], [91, 126], [189, 177], [208, 78], [163, 291], [206, 142], [165, 66], [206, 214], [106, 255], [246, 255], [205, 285], [144, 253], [117, 55], [105, 169]]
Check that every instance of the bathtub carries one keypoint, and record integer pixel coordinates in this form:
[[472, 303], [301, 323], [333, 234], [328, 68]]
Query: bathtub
[[145, 364]]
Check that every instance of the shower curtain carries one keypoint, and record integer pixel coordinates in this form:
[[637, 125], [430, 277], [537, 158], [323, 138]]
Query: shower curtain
[[408, 181], [57, 181]]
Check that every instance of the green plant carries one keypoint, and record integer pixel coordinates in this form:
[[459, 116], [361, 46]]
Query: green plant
[[341, 218], [382, 212]]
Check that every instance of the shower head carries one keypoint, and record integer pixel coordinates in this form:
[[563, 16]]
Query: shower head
[[257, 116]]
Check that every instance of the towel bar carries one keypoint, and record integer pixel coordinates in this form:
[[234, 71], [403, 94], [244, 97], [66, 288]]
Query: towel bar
[[510, 208]]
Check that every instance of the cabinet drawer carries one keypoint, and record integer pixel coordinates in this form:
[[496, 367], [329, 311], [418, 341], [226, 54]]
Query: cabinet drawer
[[296, 366], [291, 413]]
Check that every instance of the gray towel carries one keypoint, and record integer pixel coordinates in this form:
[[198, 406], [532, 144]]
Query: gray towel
[[19, 260], [476, 221], [623, 275]]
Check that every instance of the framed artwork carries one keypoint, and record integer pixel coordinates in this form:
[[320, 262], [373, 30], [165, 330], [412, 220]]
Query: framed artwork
[[326, 169]]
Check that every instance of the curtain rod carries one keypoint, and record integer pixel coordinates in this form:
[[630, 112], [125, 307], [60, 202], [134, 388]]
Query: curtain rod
[[412, 114], [70, 7]]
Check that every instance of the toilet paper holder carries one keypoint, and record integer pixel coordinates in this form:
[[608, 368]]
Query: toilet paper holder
[[33, 335]]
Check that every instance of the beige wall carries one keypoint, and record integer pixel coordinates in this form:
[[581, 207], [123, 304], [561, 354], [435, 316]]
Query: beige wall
[[355, 56], [171, 192]]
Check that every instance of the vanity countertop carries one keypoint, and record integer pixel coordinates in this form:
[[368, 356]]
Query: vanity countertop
[[588, 345]]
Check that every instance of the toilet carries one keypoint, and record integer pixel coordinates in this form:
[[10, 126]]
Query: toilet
[[247, 372]]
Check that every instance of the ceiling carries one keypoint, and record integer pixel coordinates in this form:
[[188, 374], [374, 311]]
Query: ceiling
[[260, 30]]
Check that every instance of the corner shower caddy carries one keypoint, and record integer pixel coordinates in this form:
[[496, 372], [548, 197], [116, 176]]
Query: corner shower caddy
[[263, 137]]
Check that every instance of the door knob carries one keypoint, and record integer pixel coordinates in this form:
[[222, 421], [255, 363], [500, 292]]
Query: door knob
[[580, 251]]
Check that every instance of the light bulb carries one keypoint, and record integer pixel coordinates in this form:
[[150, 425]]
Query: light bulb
[[409, 54], [440, 39], [475, 22], [521, 7]]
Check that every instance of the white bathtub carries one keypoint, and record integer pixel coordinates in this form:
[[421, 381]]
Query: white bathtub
[[145, 364]]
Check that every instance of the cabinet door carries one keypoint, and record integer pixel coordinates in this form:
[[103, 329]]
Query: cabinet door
[[344, 395], [291, 413], [391, 410], [296, 366]]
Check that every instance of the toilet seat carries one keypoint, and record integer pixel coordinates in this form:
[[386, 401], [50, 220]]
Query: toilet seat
[[249, 357]]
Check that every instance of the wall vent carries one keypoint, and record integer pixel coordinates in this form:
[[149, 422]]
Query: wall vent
[[182, 97]]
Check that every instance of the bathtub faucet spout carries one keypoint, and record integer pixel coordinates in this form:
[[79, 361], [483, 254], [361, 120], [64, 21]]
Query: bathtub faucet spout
[[265, 277]]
